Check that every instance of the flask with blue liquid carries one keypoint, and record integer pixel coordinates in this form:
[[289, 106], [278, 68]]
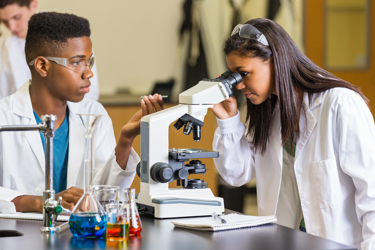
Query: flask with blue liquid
[[88, 217]]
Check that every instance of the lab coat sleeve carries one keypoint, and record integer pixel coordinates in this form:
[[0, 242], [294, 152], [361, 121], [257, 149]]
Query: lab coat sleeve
[[356, 133], [6, 196], [113, 174], [236, 161], [107, 171]]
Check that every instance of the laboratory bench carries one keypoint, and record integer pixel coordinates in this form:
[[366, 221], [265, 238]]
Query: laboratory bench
[[162, 235]]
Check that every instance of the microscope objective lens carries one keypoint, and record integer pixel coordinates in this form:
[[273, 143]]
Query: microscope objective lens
[[188, 127]]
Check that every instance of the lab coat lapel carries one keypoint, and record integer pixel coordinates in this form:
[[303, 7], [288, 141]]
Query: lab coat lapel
[[307, 122], [76, 146], [276, 154], [22, 107], [275, 139]]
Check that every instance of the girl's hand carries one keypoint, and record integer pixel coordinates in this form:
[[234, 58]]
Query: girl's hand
[[225, 109]]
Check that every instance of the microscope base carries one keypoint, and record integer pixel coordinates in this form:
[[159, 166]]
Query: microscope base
[[179, 205]]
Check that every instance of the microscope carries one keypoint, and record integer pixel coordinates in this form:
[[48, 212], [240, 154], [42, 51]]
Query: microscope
[[160, 165]]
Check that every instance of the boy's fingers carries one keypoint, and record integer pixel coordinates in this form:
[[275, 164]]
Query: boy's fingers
[[154, 100], [149, 105], [160, 101], [144, 108]]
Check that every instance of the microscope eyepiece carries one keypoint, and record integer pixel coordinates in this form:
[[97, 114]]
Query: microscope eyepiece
[[235, 78], [231, 79]]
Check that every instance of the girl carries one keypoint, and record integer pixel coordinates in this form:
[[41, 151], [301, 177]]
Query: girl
[[310, 141]]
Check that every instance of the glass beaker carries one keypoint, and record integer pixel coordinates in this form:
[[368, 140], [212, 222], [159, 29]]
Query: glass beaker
[[107, 194], [131, 211], [88, 217], [117, 222]]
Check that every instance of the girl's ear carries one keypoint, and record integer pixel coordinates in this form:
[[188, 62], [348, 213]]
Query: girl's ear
[[271, 60]]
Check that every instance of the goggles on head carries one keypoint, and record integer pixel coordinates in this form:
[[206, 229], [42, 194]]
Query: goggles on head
[[248, 31]]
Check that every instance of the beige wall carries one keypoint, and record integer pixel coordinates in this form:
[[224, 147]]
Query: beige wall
[[346, 34], [134, 41]]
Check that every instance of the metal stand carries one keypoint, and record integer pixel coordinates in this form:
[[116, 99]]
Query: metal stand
[[51, 208]]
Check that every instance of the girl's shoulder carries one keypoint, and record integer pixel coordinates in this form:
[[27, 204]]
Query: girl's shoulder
[[340, 96]]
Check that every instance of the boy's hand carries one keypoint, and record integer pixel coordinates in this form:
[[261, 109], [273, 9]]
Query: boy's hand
[[149, 104], [28, 203], [70, 197], [225, 109], [31, 203]]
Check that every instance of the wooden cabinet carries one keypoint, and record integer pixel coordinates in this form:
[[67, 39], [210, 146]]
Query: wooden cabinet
[[316, 46], [121, 114]]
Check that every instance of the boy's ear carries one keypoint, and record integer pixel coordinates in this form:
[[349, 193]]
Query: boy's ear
[[41, 65], [33, 5]]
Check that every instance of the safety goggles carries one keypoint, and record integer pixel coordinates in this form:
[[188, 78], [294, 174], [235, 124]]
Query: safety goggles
[[248, 31], [75, 63]]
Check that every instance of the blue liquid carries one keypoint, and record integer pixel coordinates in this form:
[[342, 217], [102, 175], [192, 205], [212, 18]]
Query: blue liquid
[[88, 225]]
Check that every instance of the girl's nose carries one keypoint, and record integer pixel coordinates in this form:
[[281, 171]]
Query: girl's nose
[[240, 86]]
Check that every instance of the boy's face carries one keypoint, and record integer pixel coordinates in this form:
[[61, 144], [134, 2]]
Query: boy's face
[[16, 18], [64, 83]]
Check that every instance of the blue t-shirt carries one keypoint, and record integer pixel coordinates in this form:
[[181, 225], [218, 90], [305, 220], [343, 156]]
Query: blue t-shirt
[[60, 153]]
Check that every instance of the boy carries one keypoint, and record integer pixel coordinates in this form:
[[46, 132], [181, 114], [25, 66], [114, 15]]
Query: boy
[[59, 52], [15, 15]]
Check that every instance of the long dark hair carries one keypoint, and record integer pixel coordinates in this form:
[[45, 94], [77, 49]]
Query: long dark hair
[[294, 73]]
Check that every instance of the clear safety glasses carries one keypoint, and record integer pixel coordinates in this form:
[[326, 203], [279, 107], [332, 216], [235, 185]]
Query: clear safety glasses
[[250, 32], [75, 63]]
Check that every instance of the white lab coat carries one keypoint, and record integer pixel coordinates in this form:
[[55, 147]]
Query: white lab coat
[[334, 166], [14, 71], [22, 162]]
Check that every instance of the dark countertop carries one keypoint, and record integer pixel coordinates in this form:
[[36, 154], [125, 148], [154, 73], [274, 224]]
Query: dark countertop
[[161, 234]]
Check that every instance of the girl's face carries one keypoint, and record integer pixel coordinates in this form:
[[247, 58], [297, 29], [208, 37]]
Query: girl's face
[[257, 76]]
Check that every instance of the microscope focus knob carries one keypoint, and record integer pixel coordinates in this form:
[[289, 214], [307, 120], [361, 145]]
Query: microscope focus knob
[[183, 173], [161, 172]]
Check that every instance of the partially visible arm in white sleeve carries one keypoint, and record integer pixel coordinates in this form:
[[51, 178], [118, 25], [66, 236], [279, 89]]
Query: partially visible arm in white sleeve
[[113, 174], [357, 159], [6, 197], [236, 161]]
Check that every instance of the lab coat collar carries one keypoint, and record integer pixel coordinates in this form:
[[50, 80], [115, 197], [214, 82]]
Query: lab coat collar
[[307, 120], [22, 102], [316, 100], [307, 124]]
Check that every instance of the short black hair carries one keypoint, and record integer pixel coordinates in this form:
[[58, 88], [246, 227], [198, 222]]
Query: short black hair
[[5, 3], [49, 32]]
